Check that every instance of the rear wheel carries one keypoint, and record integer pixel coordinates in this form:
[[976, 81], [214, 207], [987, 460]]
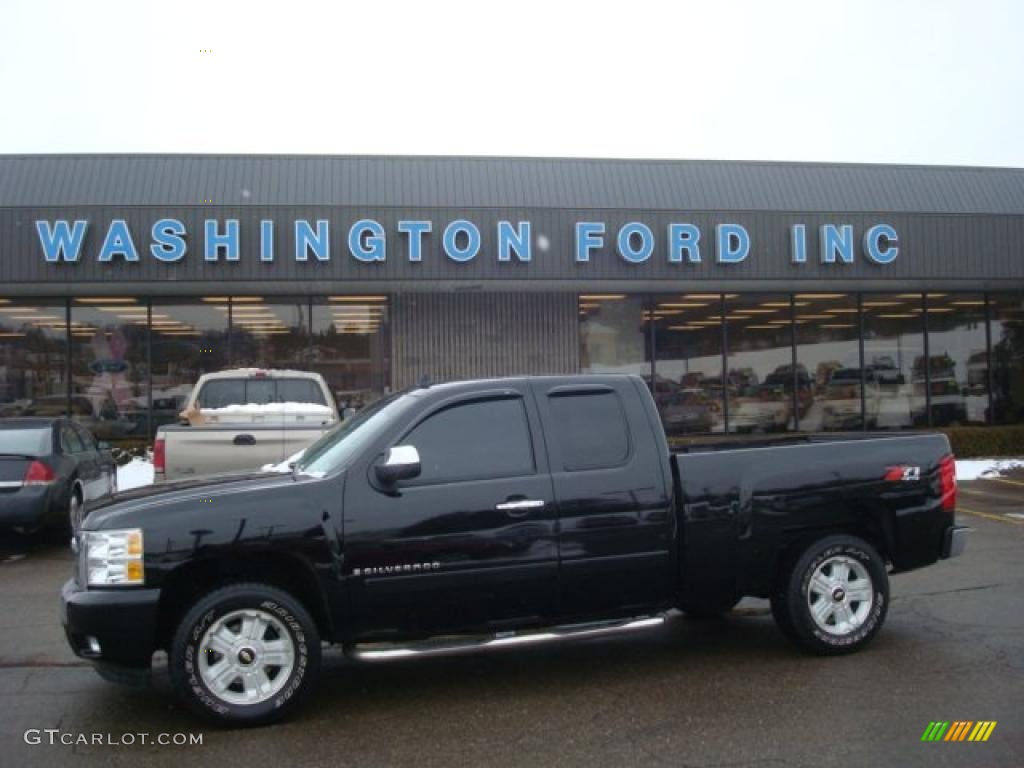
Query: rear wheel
[[246, 654], [834, 597]]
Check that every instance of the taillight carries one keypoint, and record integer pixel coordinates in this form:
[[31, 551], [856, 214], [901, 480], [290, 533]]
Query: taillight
[[947, 483], [159, 456], [39, 474]]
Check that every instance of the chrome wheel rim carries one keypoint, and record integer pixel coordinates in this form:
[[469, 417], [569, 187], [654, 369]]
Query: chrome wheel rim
[[75, 513], [840, 595], [246, 657]]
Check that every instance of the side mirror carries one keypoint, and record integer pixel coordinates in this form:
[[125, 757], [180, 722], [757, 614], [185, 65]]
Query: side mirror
[[401, 463], [103, 445]]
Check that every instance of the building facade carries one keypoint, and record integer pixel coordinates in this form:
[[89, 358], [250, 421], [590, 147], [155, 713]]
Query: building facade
[[751, 296]]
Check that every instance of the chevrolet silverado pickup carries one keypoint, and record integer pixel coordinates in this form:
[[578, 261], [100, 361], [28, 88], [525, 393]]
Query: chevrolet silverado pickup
[[493, 514]]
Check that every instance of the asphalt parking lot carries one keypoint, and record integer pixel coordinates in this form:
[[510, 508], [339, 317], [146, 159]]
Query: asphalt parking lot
[[729, 692]]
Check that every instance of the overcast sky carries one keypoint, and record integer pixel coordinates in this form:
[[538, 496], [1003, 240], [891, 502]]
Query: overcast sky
[[913, 82]]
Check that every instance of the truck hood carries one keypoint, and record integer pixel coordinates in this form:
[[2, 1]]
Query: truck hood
[[153, 497]]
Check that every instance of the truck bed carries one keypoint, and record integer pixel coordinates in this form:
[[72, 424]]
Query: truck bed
[[748, 501]]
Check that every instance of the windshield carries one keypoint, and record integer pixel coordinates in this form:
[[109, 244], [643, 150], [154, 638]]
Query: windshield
[[25, 442], [334, 450]]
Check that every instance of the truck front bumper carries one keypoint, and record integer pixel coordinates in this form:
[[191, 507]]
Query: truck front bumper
[[955, 541], [114, 629]]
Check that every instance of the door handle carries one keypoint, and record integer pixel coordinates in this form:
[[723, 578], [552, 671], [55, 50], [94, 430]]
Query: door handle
[[244, 440], [519, 507]]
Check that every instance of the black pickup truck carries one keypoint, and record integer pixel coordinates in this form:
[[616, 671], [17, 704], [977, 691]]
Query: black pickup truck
[[490, 514]]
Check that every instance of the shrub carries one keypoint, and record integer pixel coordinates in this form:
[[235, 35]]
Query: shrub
[[986, 442]]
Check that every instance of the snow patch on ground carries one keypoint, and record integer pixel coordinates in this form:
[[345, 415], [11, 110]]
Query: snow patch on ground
[[135, 474], [284, 466], [973, 469]]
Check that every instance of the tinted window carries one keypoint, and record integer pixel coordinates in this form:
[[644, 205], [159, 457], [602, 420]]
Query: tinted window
[[70, 441], [224, 392], [87, 439], [221, 393], [260, 391], [25, 442], [591, 429], [299, 391], [488, 438]]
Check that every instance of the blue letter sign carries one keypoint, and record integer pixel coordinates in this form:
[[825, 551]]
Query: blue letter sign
[[61, 243]]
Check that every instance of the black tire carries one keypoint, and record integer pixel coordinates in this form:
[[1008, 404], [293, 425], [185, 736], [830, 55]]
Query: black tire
[[844, 624], [287, 620]]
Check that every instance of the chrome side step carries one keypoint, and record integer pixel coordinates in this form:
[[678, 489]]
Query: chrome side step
[[472, 643]]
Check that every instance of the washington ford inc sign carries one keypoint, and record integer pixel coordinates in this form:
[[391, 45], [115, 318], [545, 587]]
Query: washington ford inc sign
[[366, 240]]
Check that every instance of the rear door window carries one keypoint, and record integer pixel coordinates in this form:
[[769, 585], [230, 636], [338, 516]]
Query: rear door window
[[70, 441], [88, 441], [590, 428]]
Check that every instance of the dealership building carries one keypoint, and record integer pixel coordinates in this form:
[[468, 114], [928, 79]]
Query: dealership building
[[750, 296]]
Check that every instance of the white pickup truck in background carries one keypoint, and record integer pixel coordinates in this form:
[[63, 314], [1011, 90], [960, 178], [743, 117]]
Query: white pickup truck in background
[[243, 419]]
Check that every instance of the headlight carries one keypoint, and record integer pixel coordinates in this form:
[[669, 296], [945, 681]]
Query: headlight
[[113, 558]]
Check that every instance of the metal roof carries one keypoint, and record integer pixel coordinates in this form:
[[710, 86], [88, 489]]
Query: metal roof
[[495, 182]]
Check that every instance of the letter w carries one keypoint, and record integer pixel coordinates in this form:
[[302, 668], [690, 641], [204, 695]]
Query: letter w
[[61, 242]]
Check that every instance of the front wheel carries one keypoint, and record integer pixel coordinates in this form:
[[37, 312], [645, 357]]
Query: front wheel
[[834, 597], [245, 654]]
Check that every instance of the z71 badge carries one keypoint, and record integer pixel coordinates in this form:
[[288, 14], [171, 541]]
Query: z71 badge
[[903, 474]]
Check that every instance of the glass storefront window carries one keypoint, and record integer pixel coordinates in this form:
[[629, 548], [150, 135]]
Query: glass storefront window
[[760, 378], [99, 365], [109, 370], [688, 361], [189, 338], [269, 333], [1007, 334], [614, 335], [33, 357], [828, 355], [894, 362], [958, 380], [350, 348]]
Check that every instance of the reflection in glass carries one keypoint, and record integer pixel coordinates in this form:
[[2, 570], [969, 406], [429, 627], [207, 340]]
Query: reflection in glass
[[269, 333], [109, 372], [760, 378], [956, 349], [828, 354], [189, 338], [350, 348], [894, 363], [1007, 331], [33, 357], [688, 350], [613, 334]]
